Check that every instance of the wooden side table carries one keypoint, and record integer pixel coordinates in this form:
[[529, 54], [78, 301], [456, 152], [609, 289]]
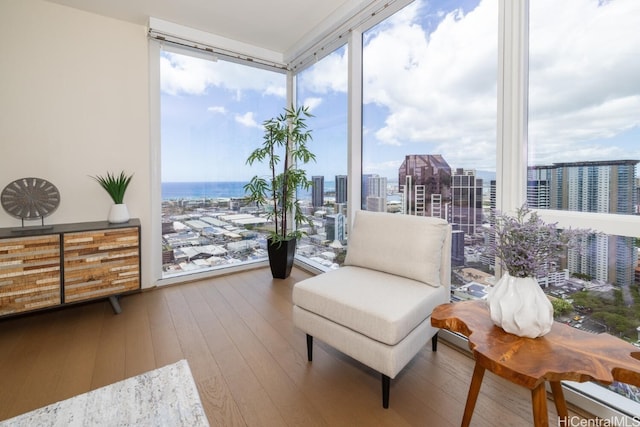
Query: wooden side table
[[565, 353]]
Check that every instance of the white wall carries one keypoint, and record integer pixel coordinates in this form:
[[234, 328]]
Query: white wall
[[74, 102]]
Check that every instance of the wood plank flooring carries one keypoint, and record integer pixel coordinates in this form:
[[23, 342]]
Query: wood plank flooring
[[248, 360]]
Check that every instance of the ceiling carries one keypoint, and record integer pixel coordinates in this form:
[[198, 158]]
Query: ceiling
[[276, 25]]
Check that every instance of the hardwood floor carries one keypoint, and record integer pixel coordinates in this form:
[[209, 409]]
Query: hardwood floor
[[248, 360]]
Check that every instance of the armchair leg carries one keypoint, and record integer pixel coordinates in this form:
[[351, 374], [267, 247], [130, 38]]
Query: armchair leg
[[434, 342], [309, 348], [386, 382]]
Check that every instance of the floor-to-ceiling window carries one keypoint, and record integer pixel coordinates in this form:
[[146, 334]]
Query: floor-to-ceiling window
[[584, 148], [429, 123], [323, 88], [429, 146], [211, 119]]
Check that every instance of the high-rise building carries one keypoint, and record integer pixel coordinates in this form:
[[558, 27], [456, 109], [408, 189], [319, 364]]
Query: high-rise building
[[365, 189], [341, 188], [457, 248], [594, 186], [422, 175], [490, 235], [436, 206], [539, 180], [334, 227], [466, 200], [637, 209], [377, 194], [376, 204], [317, 191]]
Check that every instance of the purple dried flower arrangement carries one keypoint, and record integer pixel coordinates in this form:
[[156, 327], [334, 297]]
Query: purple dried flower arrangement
[[526, 245]]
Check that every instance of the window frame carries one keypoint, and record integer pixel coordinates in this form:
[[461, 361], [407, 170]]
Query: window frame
[[511, 165], [511, 158], [156, 46]]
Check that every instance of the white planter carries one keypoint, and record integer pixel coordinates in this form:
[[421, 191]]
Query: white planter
[[118, 214], [519, 306]]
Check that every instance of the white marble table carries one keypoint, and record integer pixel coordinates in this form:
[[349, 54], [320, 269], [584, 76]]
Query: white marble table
[[166, 396]]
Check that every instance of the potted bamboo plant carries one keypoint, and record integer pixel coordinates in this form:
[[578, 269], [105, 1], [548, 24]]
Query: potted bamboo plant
[[116, 186], [284, 149]]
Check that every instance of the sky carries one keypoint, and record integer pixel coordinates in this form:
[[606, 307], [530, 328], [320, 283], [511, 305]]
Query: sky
[[429, 86]]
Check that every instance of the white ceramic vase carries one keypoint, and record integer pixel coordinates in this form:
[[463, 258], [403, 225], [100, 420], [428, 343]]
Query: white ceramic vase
[[118, 214], [519, 306]]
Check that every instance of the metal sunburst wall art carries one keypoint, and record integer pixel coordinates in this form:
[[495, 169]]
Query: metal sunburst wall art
[[30, 199]]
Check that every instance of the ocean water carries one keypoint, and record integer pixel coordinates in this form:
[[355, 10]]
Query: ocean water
[[201, 190], [214, 190]]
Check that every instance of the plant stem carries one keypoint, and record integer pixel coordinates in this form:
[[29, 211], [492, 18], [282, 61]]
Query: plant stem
[[273, 180], [284, 189]]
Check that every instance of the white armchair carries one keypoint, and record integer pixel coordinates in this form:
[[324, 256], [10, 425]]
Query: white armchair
[[377, 307]]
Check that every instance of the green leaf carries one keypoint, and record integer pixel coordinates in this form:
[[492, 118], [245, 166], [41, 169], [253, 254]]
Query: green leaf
[[114, 185], [284, 145]]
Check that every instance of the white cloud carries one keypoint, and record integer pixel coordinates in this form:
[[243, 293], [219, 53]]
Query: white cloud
[[183, 74], [431, 84], [312, 103], [277, 90], [247, 119], [326, 75], [435, 91], [218, 109], [438, 91], [584, 88]]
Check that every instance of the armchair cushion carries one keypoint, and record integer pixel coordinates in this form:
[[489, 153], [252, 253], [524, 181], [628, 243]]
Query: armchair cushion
[[381, 306], [381, 248]]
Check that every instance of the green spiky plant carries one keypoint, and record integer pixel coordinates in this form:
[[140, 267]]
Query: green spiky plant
[[285, 135], [115, 185]]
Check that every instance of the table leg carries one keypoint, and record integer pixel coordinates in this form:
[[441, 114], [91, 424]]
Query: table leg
[[539, 401], [474, 389], [558, 398]]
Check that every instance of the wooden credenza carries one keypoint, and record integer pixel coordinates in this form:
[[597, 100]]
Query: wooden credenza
[[67, 263]]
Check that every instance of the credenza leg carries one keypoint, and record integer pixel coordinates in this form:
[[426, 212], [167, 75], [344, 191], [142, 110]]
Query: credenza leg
[[115, 304], [474, 389], [539, 402]]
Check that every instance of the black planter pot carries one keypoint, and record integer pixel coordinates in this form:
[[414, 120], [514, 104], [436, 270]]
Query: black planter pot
[[281, 257]]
